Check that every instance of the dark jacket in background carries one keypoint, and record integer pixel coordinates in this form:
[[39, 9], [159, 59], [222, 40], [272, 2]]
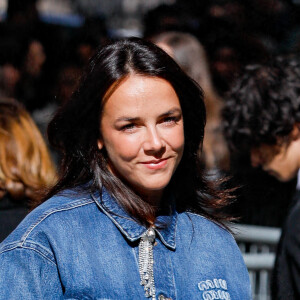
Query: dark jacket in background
[[286, 276], [11, 214]]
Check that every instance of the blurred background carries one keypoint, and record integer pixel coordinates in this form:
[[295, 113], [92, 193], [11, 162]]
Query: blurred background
[[45, 45]]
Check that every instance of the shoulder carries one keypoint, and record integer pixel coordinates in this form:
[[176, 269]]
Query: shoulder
[[210, 240], [204, 222], [205, 227], [292, 224], [47, 219], [295, 209]]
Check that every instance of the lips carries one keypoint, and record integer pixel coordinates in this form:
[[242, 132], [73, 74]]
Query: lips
[[154, 161], [155, 164]]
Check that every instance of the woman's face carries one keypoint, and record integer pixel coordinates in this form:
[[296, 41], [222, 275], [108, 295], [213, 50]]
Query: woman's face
[[142, 132]]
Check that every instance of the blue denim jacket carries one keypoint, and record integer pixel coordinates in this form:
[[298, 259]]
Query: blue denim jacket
[[74, 246]]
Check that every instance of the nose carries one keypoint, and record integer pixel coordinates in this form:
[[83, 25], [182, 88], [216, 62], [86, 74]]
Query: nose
[[153, 141], [255, 158]]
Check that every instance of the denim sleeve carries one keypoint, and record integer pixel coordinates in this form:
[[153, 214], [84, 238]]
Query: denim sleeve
[[26, 274]]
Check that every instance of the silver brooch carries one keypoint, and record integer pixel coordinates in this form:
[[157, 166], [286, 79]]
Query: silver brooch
[[146, 262]]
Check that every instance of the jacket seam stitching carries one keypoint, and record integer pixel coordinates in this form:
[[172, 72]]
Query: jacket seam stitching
[[28, 248], [40, 253], [116, 223], [9, 249], [43, 217]]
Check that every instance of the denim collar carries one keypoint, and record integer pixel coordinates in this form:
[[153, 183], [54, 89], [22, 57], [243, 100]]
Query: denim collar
[[129, 227]]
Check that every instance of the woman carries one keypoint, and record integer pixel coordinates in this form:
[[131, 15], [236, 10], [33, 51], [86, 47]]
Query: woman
[[25, 165], [132, 217]]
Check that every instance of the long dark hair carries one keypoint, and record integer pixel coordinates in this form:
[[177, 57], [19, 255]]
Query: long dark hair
[[75, 130]]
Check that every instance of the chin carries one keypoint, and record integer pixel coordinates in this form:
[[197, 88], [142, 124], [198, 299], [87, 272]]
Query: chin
[[153, 187], [286, 178]]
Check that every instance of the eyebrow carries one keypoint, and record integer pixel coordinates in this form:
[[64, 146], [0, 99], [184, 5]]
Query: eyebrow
[[171, 111], [134, 119]]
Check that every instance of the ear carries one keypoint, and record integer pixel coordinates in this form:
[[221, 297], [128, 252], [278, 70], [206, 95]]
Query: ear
[[100, 144], [295, 134]]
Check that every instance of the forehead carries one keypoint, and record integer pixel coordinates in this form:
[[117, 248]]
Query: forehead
[[140, 94]]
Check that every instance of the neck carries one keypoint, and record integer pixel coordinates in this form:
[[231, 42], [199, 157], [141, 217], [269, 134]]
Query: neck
[[152, 198]]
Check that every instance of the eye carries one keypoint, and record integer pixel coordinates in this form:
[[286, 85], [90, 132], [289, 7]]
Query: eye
[[170, 120], [128, 127]]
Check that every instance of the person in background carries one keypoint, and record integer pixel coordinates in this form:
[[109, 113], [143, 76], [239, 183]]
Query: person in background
[[32, 88], [262, 115], [25, 165], [191, 57], [132, 216]]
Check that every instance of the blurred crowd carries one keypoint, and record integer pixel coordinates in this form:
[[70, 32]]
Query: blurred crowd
[[41, 64]]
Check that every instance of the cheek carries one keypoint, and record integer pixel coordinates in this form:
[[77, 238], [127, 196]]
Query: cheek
[[277, 161], [122, 147], [280, 166], [176, 140]]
